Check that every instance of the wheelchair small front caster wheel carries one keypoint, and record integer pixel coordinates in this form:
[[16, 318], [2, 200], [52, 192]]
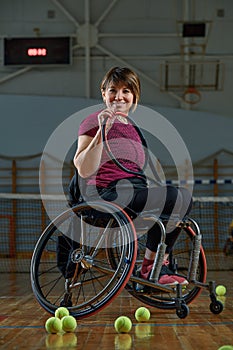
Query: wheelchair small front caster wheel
[[216, 307], [182, 311]]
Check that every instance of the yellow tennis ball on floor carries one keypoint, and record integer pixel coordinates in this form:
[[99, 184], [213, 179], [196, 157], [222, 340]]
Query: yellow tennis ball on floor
[[220, 290], [226, 347], [53, 325], [69, 323], [61, 312], [142, 314], [123, 324]]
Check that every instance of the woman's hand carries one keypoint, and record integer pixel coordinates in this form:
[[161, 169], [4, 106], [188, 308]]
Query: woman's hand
[[107, 115]]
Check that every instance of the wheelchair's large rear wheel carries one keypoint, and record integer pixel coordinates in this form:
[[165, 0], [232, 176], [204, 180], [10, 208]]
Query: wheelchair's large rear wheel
[[179, 263], [79, 275]]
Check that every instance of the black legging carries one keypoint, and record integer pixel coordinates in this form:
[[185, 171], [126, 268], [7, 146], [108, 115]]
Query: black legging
[[167, 199]]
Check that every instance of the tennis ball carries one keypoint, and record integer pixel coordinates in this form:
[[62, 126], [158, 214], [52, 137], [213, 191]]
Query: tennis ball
[[220, 290], [69, 323], [226, 347], [61, 312], [142, 314], [123, 324], [53, 325], [123, 341]]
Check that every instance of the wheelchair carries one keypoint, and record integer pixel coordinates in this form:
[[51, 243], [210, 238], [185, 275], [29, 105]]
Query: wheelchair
[[92, 251]]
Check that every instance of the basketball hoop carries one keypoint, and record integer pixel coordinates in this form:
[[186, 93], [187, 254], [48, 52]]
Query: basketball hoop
[[191, 95]]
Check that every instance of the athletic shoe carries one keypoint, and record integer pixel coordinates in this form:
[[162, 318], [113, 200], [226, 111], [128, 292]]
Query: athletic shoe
[[167, 280], [166, 271], [163, 279], [166, 277]]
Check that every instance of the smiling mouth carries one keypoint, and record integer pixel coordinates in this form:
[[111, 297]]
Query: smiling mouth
[[118, 105]]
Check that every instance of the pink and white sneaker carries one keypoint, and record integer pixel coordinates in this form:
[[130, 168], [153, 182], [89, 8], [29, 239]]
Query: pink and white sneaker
[[167, 277], [164, 279], [166, 271]]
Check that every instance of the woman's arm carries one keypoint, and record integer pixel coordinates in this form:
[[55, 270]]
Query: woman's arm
[[88, 154]]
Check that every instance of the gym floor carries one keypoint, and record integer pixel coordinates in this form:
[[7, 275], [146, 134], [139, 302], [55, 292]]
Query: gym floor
[[22, 322]]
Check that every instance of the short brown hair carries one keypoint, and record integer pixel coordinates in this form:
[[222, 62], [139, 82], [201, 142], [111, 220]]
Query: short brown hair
[[124, 75]]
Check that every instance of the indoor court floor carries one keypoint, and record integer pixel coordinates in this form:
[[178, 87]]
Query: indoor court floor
[[22, 322]]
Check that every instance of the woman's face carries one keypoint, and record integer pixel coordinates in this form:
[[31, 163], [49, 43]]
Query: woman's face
[[118, 97]]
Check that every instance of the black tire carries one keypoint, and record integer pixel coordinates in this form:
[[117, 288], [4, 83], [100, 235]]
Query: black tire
[[216, 307], [88, 283], [182, 311]]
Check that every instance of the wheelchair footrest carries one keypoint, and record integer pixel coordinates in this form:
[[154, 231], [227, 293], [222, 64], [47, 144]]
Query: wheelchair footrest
[[141, 285]]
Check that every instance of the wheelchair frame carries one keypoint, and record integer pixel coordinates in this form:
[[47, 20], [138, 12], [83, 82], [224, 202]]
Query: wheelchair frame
[[102, 268]]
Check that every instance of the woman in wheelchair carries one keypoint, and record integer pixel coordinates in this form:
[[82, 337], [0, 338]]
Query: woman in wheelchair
[[120, 89]]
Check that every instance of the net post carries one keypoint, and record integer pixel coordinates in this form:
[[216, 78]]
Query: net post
[[12, 243]]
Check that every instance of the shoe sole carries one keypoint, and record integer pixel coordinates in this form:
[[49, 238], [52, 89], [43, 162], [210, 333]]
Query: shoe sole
[[173, 284], [140, 288], [185, 283]]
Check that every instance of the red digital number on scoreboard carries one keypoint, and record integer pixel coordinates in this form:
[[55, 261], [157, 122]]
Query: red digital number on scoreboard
[[37, 51]]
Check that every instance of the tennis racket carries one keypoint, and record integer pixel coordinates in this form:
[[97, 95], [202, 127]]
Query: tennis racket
[[116, 160]]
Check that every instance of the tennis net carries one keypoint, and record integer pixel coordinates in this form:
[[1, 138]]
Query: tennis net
[[23, 217]]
